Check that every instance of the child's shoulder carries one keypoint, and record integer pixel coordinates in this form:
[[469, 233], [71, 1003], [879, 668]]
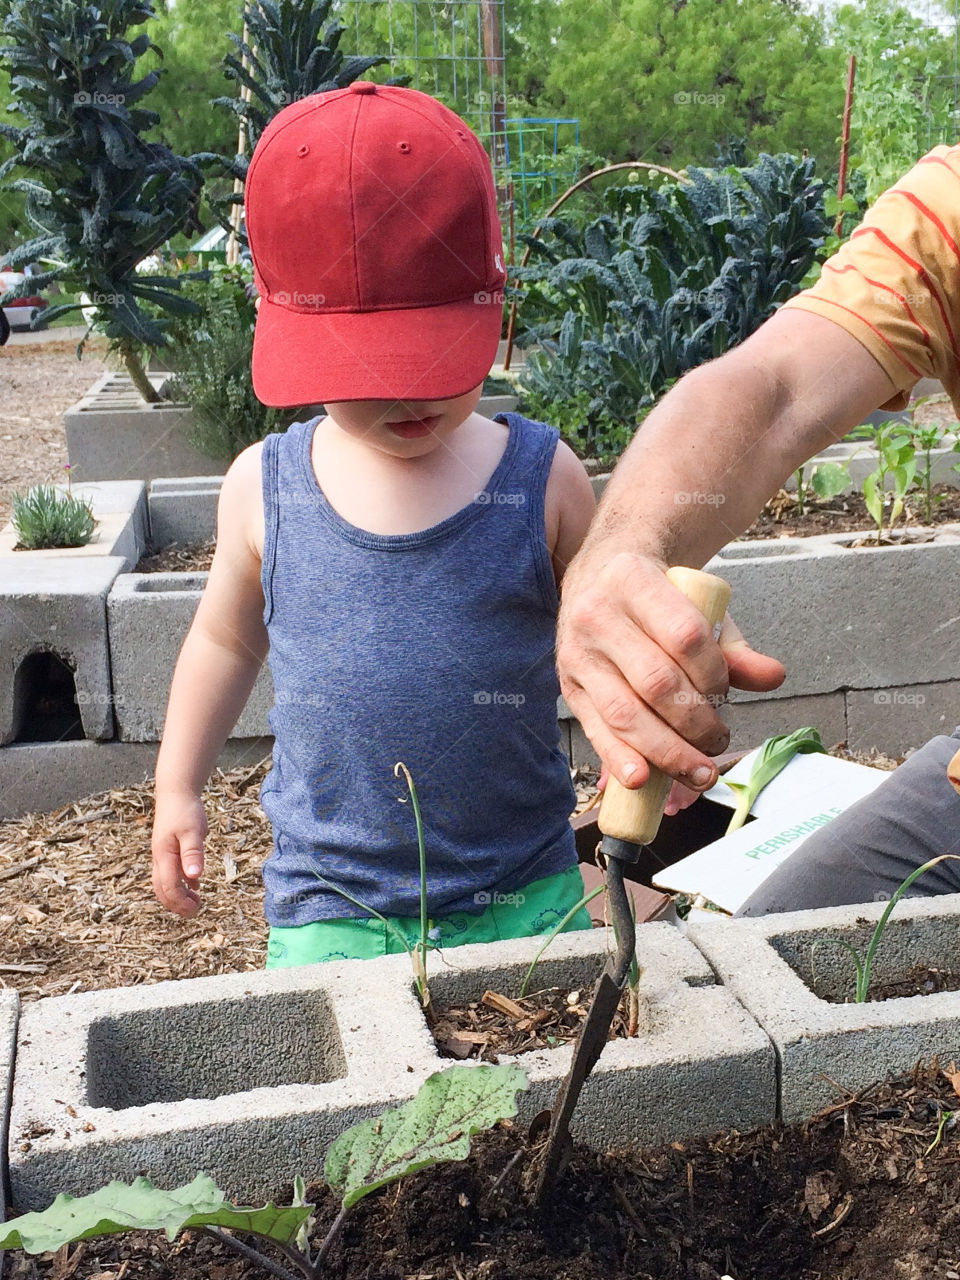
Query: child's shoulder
[[241, 495]]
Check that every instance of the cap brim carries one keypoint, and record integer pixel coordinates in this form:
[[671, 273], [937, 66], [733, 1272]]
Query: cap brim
[[419, 353]]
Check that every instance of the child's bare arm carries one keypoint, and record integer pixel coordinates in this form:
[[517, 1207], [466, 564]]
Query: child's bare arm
[[569, 507], [216, 670]]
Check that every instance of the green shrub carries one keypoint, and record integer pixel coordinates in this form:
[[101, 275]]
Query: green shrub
[[659, 283], [48, 517], [211, 352]]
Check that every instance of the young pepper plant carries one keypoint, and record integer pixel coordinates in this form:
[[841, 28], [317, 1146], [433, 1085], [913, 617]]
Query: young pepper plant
[[896, 466], [435, 1126]]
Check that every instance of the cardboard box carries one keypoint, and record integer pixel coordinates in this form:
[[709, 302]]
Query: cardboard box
[[807, 795]]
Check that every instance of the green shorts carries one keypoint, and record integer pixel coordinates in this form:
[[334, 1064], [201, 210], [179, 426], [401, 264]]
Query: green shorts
[[535, 909]]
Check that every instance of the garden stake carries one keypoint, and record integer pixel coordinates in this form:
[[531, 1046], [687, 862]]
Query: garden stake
[[628, 821]]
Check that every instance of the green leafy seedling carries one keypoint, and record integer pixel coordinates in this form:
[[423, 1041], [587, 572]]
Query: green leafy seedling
[[140, 1206], [896, 465], [864, 965], [774, 755], [437, 1125]]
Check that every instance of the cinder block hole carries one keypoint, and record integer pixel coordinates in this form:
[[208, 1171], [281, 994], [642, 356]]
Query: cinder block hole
[[569, 974], [170, 582], [908, 950], [211, 1049], [45, 700], [758, 550]]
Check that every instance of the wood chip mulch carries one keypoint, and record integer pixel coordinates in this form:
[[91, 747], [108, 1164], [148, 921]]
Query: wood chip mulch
[[178, 558], [77, 910], [495, 1024]]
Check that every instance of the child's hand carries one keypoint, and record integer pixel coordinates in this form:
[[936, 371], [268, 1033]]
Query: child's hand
[[179, 830]]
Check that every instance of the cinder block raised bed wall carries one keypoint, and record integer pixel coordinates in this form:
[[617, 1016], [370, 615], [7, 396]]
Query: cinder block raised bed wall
[[742, 1021], [870, 637]]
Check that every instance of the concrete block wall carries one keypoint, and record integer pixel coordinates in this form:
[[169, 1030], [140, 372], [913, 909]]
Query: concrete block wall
[[792, 977], [148, 617], [9, 1014], [183, 509], [251, 1076], [112, 434], [57, 605], [870, 637]]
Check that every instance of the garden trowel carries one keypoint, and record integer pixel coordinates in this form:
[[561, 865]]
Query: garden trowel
[[628, 820]]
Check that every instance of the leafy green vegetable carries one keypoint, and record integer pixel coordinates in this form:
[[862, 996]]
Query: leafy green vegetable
[[774, 755], [434, 1126], [141, 1206]]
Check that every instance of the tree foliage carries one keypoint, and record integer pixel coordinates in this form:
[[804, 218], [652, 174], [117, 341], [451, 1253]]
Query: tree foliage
[[100, 197]]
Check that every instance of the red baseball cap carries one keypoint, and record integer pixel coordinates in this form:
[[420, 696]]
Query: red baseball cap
[[372, 221]]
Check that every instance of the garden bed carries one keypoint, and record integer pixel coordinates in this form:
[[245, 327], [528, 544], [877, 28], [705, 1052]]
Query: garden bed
[[845, 514], [870, 1188]]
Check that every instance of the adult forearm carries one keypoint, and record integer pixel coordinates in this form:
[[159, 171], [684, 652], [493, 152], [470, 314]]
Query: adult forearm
[[210, 687], [703, 464]]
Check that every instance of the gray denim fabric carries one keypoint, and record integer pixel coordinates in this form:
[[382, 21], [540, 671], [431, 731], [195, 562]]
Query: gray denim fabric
[[866, 853]]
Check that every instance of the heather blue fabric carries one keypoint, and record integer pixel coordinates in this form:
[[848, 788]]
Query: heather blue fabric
[[434, 648]]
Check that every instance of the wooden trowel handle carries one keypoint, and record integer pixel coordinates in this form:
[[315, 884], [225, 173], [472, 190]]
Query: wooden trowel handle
[[953, 771], [635, 815]]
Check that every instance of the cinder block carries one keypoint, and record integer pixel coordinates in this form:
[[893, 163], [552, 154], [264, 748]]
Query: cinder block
[[41, 776], [112, 434], [894, 720], [184, 510], [9, 1012], [751, 722], [699, 1064], [57, 606], [149, 616], [120, 508], [841, 617], [248, 1077], [769, 963]]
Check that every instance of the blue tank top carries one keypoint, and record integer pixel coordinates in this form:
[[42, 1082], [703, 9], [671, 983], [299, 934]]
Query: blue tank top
[[433, 648]]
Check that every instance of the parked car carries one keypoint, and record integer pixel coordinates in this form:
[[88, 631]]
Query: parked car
[[21, 311]]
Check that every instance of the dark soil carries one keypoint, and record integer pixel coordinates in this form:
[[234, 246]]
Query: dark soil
[[497, 1024], [847, 513], [178, 558], [867, 1191], [920, 981]]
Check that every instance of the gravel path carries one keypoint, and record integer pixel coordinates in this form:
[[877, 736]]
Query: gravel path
[[37, 382]]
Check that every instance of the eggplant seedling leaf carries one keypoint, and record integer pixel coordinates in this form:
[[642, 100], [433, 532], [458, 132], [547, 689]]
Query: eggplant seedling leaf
[[435, 1126], [140, 1206]]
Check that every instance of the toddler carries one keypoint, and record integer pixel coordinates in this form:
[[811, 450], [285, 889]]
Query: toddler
[[397, 559]]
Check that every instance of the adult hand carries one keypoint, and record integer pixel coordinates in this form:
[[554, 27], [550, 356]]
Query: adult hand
[[641, 670]]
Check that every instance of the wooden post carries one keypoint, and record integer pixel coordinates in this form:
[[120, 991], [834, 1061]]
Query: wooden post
[[236, 210], [845, 142], [493, 57]]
